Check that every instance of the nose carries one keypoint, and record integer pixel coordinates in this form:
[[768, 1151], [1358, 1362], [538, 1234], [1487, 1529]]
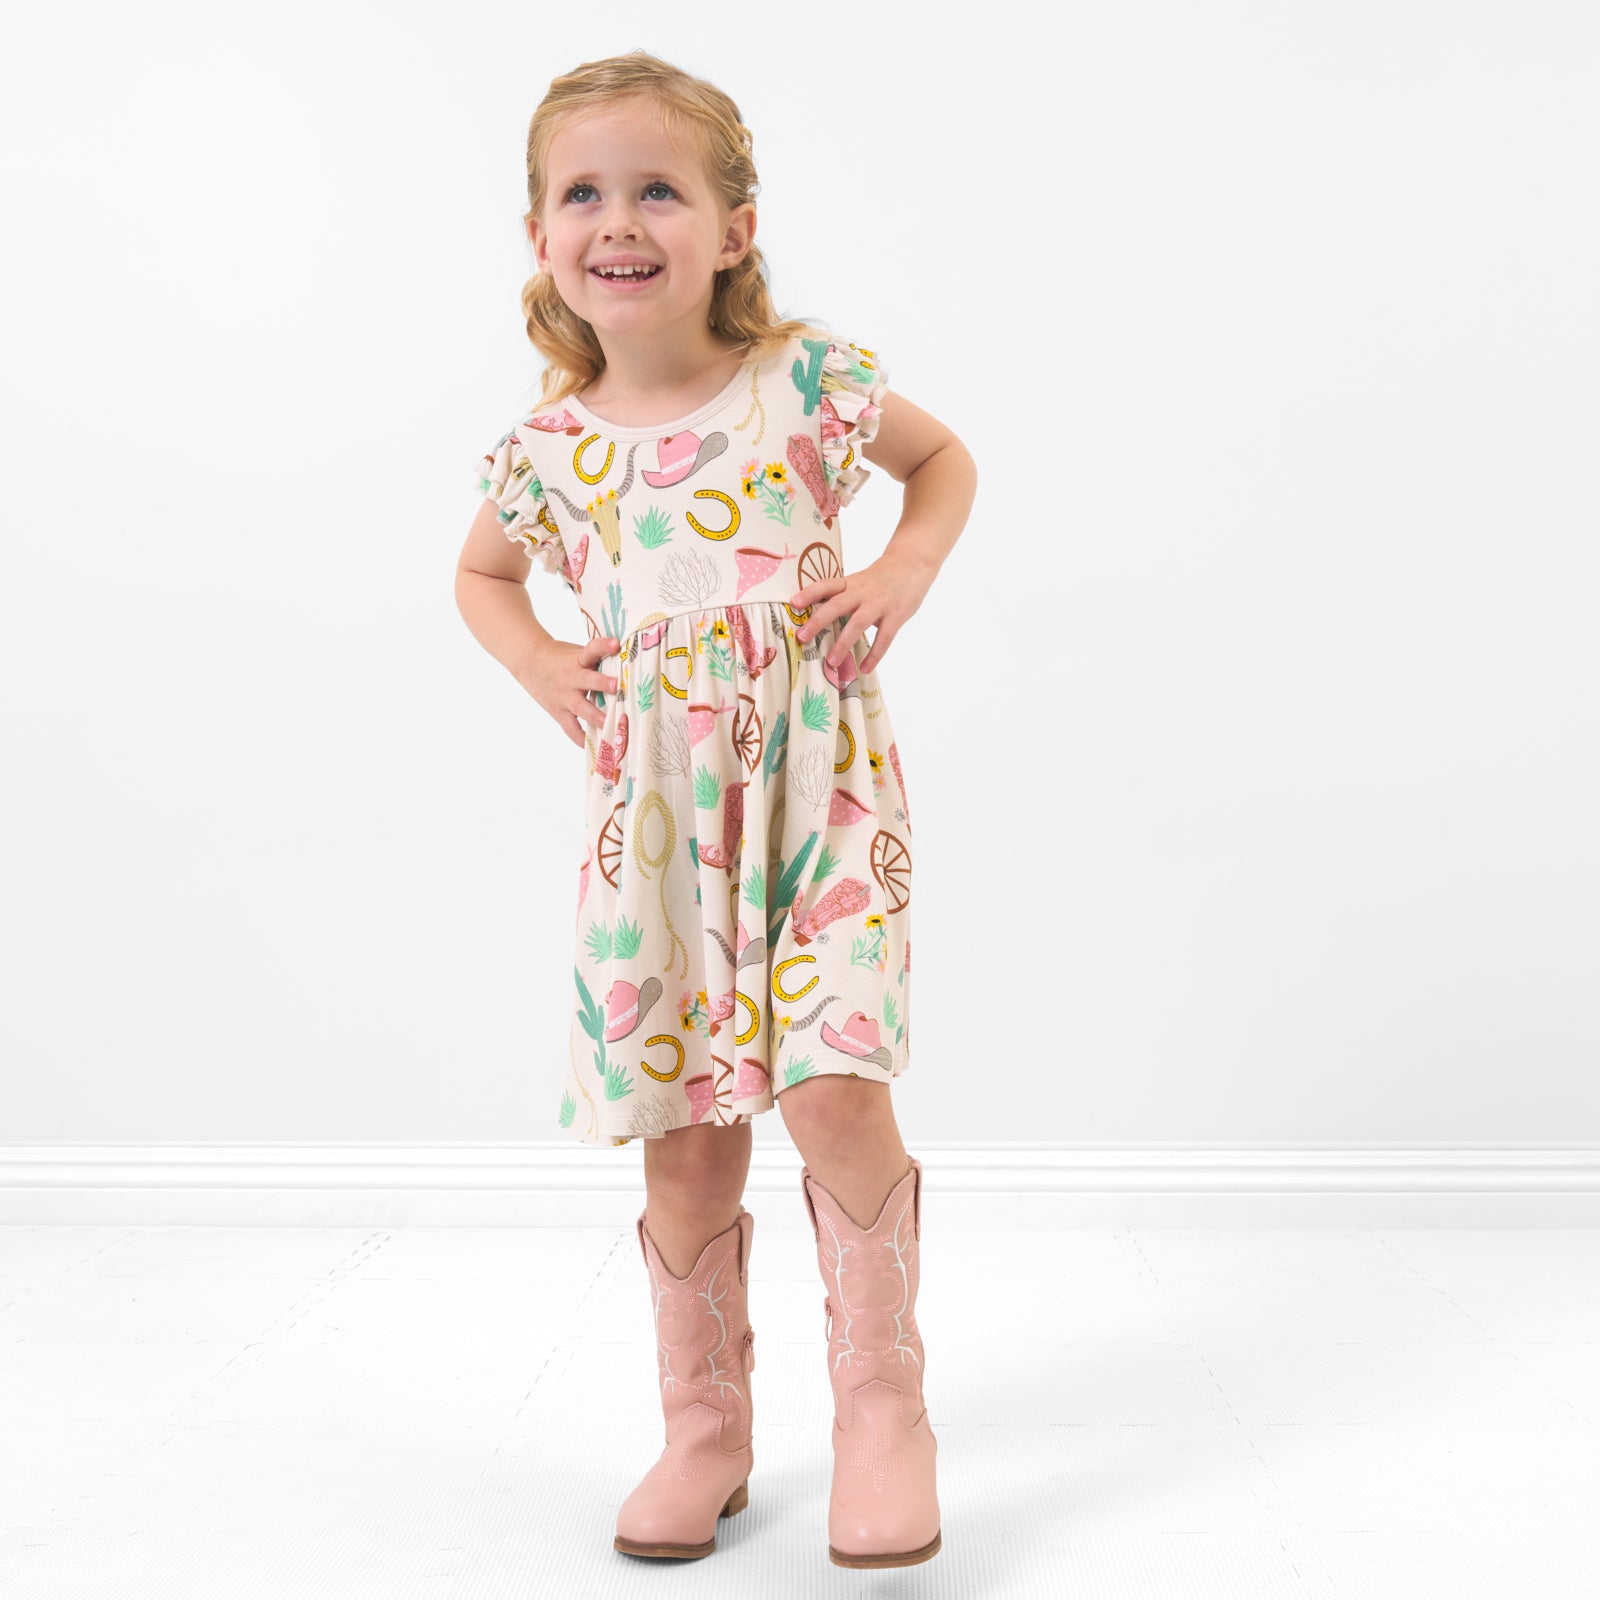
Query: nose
[[619, 221]]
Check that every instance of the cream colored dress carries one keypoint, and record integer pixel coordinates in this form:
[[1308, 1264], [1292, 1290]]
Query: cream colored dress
[[743, 897]]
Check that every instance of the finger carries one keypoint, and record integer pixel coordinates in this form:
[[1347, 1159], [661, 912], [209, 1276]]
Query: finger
[[845, 639], [822, 589], [821, 615], [881, 638], [803, 597], [601, 680]]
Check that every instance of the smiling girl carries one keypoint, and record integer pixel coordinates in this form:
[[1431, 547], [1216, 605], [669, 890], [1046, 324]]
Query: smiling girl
[[743, 897]]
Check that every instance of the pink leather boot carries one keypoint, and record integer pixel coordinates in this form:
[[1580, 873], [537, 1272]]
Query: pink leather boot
[[706, 1349], [883, 1510]]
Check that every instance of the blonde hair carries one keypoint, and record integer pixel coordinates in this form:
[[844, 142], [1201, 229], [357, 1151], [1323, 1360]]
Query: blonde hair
[[741, 306]]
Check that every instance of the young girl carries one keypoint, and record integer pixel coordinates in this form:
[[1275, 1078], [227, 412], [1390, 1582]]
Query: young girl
[[744, 892]]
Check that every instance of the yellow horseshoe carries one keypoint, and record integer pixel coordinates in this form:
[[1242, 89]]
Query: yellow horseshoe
[[666, 683], [664, 1038], [546, 520], [577, 459], [755, 1019], [777, 978], [844, 728], [727, 500]]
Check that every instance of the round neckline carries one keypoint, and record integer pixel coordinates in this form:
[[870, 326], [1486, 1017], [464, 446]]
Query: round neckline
[[661, 430]]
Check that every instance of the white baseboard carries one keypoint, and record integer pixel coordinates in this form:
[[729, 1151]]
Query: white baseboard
[[1012, 1185]]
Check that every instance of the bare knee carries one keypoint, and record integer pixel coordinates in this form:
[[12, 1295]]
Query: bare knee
[[705, 1160], [827, 1101]]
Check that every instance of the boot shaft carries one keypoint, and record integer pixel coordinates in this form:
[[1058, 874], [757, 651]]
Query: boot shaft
[[705, 1346], [871, 1276]]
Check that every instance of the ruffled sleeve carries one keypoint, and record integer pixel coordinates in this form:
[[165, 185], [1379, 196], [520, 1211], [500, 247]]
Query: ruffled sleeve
[[854, 381], [506, 475]]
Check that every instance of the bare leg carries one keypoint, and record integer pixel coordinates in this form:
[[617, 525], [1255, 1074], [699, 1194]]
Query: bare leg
[[694, 1181], [845, 1131]]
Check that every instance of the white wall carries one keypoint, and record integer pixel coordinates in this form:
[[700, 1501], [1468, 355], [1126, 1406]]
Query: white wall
[[1265, 810]]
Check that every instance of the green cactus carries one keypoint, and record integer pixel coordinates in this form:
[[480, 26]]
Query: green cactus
[[653, 529], [614, 619], [797, 1068], [777, 748], [593, 1018], [814, 711], [808, 379], [754, 888], [707, 788], [783, 890]]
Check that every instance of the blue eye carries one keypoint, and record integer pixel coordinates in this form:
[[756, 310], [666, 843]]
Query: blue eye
[[658, 184]]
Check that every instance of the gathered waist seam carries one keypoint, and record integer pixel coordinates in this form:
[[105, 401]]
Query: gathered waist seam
[[700, 611]]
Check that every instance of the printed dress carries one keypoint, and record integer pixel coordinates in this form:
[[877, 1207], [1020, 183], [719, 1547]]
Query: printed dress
[[743, 896]]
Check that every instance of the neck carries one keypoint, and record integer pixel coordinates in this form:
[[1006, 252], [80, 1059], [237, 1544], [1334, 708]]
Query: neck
[[660, 364]]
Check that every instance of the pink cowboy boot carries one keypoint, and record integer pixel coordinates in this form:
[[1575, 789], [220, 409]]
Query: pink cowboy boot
[[706, 1349], [883, 1511]]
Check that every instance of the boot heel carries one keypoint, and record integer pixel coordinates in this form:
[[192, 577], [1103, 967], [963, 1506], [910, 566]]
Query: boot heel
[[737, 1501]]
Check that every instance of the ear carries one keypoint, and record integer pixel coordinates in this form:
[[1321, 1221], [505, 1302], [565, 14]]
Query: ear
[[740, 232], [540, 241]]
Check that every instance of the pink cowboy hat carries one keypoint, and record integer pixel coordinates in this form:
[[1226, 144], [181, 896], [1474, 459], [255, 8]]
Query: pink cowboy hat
[[858, 1037], [679, 454]]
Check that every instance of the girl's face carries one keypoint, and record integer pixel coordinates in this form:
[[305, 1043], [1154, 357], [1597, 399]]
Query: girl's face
[[619, 191]]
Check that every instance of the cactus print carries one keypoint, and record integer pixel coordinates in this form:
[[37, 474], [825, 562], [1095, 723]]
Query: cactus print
[[744, 888]]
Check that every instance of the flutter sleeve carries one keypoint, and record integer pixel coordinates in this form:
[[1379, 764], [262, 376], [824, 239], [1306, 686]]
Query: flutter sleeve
[[506, 475], [854, 381]]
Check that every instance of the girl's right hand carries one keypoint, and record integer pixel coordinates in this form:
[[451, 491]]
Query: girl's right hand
[[565, 676]]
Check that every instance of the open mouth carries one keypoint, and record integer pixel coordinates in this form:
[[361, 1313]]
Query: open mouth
[[625, 280]]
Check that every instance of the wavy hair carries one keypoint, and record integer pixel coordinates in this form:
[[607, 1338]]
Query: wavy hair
[[741, 304]]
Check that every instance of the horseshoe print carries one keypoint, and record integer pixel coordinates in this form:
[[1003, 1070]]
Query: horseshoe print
[[577, 459], [749, 1033], [778, 973], [677, 1045], [678, 652], [733, 511]]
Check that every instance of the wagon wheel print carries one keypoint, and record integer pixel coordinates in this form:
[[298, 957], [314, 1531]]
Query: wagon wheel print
[[849, 739], [608, 851], [722, 1090], [891, 866], [819, 560], [747, 732]]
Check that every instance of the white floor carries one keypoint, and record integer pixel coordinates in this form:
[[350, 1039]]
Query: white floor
[[231, 1412]]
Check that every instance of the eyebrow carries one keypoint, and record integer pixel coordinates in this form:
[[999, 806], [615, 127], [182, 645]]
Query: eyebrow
[[647, 174]]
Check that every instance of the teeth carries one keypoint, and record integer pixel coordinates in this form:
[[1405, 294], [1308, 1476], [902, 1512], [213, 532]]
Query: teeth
[[624, 272]]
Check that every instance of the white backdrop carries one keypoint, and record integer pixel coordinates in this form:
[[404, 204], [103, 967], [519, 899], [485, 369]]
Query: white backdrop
[[1263, 808]]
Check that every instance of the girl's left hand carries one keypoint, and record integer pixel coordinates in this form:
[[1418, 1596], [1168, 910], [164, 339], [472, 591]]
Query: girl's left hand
[[885, 594]]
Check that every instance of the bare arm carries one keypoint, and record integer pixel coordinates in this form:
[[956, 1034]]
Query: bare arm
[[492, 597], [940, 476], [941, 482]]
